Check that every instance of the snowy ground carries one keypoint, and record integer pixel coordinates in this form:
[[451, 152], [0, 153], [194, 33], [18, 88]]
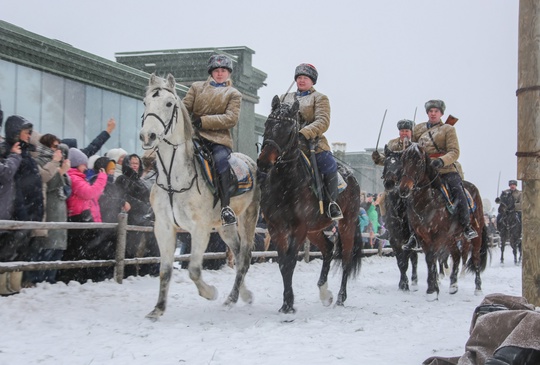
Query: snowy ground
[[104, 323]]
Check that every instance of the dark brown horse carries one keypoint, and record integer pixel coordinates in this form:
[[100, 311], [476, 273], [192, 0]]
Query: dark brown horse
[[396, 221], [438, 231], [509, 225], [291, 208]]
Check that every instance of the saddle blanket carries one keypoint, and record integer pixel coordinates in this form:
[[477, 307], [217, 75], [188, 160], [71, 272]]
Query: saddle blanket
[[243, 180], [451, 206]]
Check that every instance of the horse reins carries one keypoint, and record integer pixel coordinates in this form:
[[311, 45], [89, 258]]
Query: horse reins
[[286, 148], [169, 189]]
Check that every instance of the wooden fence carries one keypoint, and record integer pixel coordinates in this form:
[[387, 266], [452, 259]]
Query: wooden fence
[[120, 261]]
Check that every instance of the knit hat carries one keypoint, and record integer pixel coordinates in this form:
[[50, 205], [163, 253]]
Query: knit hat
[[512, 182], [91, 160], [405, 124], [219, 61], [77, 158], [308, 70], [439, 104], [116, 153]]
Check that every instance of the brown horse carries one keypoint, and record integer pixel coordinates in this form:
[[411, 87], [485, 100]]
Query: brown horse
[[438, 231], [291, 208]]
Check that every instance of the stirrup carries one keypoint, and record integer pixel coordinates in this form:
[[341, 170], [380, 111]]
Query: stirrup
[[227, 216], [470, 233], [334, 211]]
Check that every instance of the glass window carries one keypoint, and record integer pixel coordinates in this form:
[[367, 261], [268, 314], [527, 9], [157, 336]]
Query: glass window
[[28, 95], [111, 109], [7, 87], [128, 128], [74, 112], [93, 116], [52, 116]]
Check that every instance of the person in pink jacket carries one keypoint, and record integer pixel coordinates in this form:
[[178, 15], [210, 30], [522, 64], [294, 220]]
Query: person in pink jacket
[[82, 204]]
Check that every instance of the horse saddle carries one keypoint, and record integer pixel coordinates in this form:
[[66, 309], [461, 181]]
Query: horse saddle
[[342, 184], [452, 204], [241, 176]]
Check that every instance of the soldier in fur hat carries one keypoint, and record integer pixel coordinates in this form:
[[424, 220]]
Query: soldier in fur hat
[[314, 121], [400, 143], [214, 106], [441, 143]]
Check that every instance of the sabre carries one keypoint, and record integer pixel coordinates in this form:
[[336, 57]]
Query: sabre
[[498, 182], [414, 118], [380, 130], [289, 89]]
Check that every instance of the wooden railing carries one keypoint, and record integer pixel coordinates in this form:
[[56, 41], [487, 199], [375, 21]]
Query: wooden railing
[[120, 260]]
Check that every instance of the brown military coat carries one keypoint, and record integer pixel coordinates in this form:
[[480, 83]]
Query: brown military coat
[[394, 145], [218, 108], [315, 116], [517, 195], [443, 143]]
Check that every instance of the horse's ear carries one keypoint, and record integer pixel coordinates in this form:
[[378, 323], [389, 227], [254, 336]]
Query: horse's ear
[[386, 150], [295, 107], [275, 103], [171, 82], [152, 80]]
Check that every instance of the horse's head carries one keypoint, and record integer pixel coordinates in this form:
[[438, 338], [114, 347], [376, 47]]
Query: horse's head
[[507, 202], [161, 114], [393, 167], [280, 134], [417, 170]]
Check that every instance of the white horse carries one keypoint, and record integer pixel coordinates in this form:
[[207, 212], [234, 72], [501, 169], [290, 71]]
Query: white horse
[[182, 199]]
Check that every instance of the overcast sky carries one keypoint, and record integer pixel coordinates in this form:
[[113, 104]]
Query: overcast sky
[[371, 56]]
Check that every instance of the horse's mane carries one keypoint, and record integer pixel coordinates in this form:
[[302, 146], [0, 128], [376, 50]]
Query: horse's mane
[[432, 173]]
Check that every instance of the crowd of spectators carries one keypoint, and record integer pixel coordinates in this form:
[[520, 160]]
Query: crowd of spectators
[[45, 178]]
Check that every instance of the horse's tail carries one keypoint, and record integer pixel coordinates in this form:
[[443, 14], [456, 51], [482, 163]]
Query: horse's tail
[[484, 251], [353, 267]]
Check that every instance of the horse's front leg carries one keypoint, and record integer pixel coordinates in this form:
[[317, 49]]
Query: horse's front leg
[[503, 243], [326, 247], [199, 243], [433, 287], [402, 258], [166, 238], [413, 257], [456, 258], [287, 253]]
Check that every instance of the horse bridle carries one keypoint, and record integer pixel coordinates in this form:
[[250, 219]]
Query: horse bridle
[[415, 180], [292, 138], [174, 115], [169, 189]]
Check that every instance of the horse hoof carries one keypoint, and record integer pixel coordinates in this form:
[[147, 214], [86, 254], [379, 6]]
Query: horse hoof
[[478, 292], [211, 293], [327, 299], [287, 309], [414, 286], [154, 315], [431, 297], [247, 296], [453, 289]]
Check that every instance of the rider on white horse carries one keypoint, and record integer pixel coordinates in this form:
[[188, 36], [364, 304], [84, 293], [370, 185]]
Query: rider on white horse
[[214, 106]]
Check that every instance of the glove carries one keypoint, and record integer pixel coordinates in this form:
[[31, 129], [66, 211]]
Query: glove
[[197, 123], [497, 200], [302, 139], [437, 163], [376, 157]]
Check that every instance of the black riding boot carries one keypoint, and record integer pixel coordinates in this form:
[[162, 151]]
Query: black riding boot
[[464, 217], [227, 214], [331, 182], [457, 191]]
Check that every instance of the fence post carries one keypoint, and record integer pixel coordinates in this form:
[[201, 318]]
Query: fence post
[[307, 247], [120, 247]]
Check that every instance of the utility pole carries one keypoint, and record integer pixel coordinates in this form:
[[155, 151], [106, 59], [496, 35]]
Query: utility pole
[[528, 153]]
